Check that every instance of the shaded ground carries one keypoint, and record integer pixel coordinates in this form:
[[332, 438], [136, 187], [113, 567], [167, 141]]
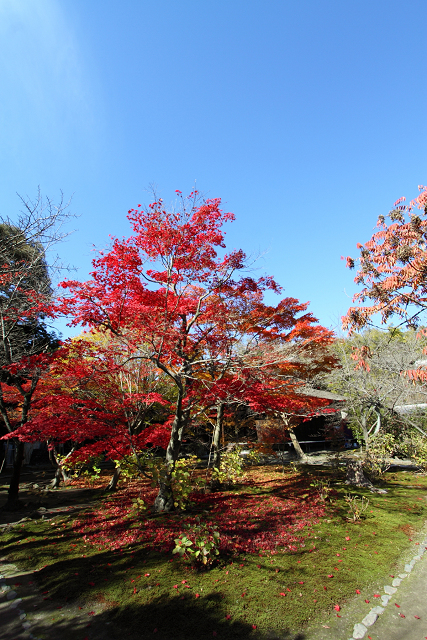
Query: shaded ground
[[38, 501], [85, 620]]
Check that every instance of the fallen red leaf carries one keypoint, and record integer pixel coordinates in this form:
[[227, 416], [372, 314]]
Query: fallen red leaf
[[367, 601], [397, 605], [401, 615], [357, 591], [337, 607], [254, 626], [282, 594], [417, 617]]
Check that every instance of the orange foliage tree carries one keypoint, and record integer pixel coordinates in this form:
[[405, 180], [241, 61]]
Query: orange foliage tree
[[393, 272]]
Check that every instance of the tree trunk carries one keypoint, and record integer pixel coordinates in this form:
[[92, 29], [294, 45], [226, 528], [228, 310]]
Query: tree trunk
[[298, 450], [60, 472], [217, 435], [60, 475], [112, 485], [356, 476], [215, 485], [164, 500], [13, 503], [365, 433]]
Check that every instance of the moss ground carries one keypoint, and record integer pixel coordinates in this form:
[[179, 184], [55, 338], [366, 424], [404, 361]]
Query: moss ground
[[264, 585]]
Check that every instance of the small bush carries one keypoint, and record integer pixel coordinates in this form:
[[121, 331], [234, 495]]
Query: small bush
[[357, 506], [200, 544], [183, 478], [230, 469]]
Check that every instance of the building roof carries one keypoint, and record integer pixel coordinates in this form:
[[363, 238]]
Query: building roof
[[320, 393]]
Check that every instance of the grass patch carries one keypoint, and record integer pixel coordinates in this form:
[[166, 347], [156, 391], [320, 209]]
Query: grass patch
[[287, 557]]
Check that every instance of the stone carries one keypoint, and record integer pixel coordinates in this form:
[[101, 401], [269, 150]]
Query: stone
[[408, 568], [22, 616], [403, 575], [369, 620], [390, 590], [378, 610], [385, 599], [15, 603], [8, 568], [11, 595], [359, 631], [4, 588], [396, 582], [26, 625]]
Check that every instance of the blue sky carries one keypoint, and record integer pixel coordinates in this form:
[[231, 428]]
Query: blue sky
[[307, 118]]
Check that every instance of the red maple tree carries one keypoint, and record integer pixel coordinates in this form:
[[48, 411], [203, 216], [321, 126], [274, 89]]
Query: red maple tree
[[100, 402], [168, 299], [26, 343]]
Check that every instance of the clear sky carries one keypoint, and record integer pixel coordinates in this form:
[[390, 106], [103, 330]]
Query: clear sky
[[307, 117]]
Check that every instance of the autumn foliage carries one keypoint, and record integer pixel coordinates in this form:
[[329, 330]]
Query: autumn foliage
[[178, 314], [393, 267], [393, 272]]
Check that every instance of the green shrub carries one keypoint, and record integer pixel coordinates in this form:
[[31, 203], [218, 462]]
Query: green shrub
[[415, 447], [182, 476], [381, 448], [231, 468], [200, 544]]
